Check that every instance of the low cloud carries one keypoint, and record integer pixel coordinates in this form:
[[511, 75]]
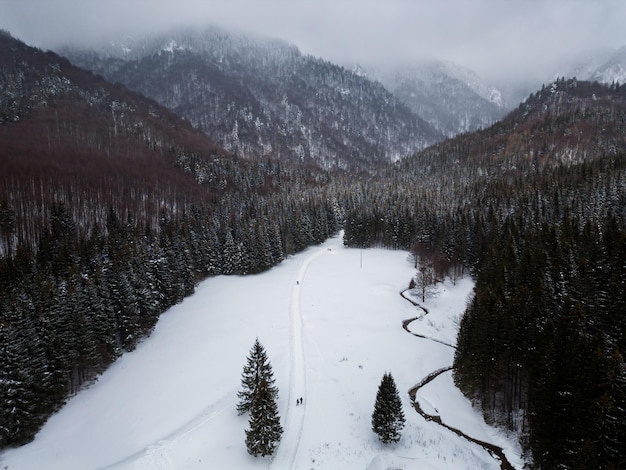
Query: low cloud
[[496, 38]]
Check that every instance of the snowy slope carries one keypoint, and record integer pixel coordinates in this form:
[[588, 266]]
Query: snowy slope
[[330, 319], [602, 65], [451, 98], [260, 97], [613, 70]]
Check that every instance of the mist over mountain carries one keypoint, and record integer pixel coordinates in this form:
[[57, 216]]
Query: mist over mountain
[[603, 65], [115, 199], [453, 99], [258, 97], [611, 70]]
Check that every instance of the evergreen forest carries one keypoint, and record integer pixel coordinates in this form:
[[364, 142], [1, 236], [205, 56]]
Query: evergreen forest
[[541, 345], [112, 209]]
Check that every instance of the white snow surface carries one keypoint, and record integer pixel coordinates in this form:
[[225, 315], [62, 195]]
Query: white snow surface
[[330, 319]]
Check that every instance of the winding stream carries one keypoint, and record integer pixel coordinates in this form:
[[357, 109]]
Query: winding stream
[[496, 452]]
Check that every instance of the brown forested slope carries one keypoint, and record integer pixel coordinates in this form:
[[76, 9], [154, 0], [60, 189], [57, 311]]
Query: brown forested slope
[[69, 136]]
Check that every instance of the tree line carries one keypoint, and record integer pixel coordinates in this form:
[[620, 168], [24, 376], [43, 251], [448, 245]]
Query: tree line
[[534, 208], [73, 305], [541, 345], [111, 210], [89, 262]]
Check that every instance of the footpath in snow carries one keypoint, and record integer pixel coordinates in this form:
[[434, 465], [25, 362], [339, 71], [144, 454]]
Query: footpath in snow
[[330, 319], [286, 454]]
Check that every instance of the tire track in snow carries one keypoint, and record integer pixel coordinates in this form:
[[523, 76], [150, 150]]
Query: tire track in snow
[[496, 452], [287, 452]]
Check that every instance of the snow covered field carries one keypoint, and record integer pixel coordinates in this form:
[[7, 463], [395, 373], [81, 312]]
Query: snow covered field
[[330, 319]]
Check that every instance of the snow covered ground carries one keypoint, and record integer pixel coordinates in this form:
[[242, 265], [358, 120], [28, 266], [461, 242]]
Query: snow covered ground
[[330, 319]]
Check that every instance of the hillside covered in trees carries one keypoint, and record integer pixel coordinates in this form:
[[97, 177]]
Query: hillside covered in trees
[[535, 208], [112, 208], [262, 97]]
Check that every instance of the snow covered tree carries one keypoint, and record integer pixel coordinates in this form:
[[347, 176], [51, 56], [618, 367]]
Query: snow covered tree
[[265, 429], [232, 254], [257, 369], [388, 418]]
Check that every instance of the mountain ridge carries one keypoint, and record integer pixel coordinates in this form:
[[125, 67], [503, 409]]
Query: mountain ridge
[[453, 99], [266, 98], [86, 269]]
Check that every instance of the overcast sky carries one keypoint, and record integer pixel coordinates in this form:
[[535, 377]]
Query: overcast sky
[[491, 36]]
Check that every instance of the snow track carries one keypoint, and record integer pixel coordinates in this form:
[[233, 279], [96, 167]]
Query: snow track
[[156, 456], [293, 425]]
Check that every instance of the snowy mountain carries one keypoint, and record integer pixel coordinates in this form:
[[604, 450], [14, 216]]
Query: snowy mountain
[[261, 97], [603, 65], [451, 98], [613, 70], [112, 208], [606, 66]]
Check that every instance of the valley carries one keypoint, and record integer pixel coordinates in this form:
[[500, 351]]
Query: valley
[[331, 328], [188, 191]]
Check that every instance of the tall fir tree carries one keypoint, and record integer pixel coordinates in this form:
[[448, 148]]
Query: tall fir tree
[[388, 418], [257, 369], [265, 430]]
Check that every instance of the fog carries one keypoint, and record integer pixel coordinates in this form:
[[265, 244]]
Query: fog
[[496, 38]]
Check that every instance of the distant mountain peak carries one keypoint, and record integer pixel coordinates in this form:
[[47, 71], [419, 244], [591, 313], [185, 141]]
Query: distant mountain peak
[[452, 98], [603, 65]]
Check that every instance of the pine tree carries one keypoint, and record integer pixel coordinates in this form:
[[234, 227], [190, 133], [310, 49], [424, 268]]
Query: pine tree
[[388, 417], [232, 255], [265, 429], [257, 369]]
